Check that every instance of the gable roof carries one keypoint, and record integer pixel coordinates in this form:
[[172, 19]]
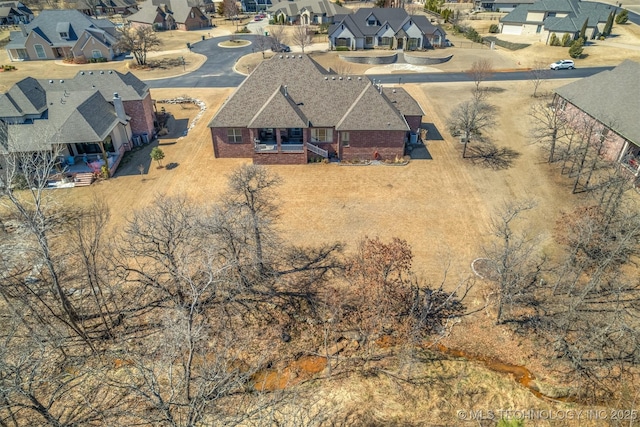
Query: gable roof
[[178, 9], [65, 111], [49, 23], [577, 12], [596, 96], [317, 7], [394, 17], [313, 98]]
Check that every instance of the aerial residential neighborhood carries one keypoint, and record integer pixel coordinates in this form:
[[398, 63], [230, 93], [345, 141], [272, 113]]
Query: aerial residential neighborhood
[[316, 212]]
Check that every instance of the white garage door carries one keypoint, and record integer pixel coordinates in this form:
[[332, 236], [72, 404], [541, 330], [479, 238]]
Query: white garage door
[[512, 29]]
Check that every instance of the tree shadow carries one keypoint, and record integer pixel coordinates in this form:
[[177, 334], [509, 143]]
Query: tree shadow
[[490, 156], [171, 166]]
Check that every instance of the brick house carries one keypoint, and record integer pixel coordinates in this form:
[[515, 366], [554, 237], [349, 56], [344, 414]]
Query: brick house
[[290, 109], [95, 109], [105, 7], [184, 15], [375, 28], [609, 102], [58, 34]]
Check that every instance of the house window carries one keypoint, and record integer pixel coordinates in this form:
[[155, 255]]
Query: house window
[[193, 15], [371, 22], [321, 135], [412, 43], [96, 53], [368, 41], [385, 41], [296, 133], [64, 35], [344, 138], [234, 136], [39, 51]]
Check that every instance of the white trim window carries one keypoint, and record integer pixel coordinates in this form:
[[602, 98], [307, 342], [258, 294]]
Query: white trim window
[[95, 53], [234, 136], [321, 135], [344, 138], [40, 51]]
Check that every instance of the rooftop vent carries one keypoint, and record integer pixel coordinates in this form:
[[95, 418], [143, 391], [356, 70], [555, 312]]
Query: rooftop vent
[[50, 81], [110, 71], [280, 56], [349, 78], [359, 78], [340, 77], [394, 91], [61, 81], [333, 78], [101, 72], [90, 72], [299, 56], [326, 78], [82, 73]]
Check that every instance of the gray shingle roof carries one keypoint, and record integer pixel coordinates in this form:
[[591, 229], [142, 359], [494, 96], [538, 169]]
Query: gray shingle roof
[[577, 12], [394, 17], [48, 22], [318, 7], [403, 102], [324, 100], [612, 97], [179, 10], [74, 110]]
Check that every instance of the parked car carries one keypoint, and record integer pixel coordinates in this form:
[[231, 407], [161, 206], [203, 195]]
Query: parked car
[[257, 18], [279, 47], [563, 64]]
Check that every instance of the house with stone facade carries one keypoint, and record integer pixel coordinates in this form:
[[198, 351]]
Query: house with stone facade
[[59, 34], [559, 17], [77, 118], [306, 12], [290, 109], [105, 7], [596, 101], [184, 15], [376, 28]]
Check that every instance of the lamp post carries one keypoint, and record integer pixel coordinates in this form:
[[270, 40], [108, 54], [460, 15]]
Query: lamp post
[[184, 68]]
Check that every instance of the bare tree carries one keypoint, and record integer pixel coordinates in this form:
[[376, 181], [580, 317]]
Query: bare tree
[[278, 34], [549, 124], [301, 36], [480, 71], [514, 257], [538, 74], [262, 43], [139, 41], [470, 118], [231, 10]]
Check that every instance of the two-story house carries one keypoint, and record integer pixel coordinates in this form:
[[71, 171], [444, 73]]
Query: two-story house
[[306, 12], [173, 14], [14, 13], [59, 34], [289, 109]]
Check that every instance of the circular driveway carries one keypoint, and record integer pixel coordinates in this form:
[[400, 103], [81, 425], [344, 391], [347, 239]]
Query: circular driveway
[[217, 71]]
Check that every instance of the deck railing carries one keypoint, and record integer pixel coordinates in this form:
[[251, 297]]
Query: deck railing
[[317, 150]]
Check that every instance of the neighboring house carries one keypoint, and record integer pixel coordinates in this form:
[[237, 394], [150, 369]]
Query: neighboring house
[[14, 13], [306, 12], [173, 14], [106, 7], [79, 115], [500, 5], [57, 34], [255, 5], [290, 109], [546, 17], [612, 100], [372, 28]]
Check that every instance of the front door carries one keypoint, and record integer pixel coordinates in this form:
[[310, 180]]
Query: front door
[[401, 43]]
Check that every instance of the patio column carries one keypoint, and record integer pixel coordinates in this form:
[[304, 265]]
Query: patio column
[[278, 139]]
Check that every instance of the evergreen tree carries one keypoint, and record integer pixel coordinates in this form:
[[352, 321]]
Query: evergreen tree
[[575, 51], [622, 17], [553, 41], [566, 40], [583, 31], [609, 25]]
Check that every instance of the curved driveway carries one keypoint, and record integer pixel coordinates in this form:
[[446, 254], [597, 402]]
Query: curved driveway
[[217, 70]]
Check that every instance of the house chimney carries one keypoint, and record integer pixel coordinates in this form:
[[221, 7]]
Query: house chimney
[[24, 30], [119, 107], [285, 91]]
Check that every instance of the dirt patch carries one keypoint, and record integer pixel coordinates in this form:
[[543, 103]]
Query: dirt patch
[[297, 371]]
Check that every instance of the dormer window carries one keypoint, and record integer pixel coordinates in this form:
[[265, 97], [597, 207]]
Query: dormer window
[[64, 35], [371, 22]]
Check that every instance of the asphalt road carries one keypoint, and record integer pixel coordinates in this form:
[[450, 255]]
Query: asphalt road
[[217, 71]]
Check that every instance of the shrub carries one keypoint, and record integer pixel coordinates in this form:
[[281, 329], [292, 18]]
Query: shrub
[[493, 28], [553, 41], [622, 17], [506, 44], [243, 30], [566, 40], [575, 51], [342, 48]]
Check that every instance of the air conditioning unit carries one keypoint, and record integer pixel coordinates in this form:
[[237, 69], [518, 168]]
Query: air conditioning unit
[[145, 138], [136, 140]]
